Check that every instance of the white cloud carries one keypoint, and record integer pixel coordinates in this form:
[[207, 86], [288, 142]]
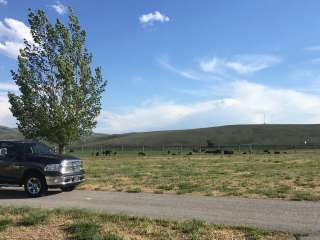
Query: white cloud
[[247, 103], [3, 2], [12, 34], [8, 87], [6, 118], [150, 18], [241, 64], [59, 8], [183, 73]]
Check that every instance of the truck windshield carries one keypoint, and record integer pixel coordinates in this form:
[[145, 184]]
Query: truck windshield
[[39, 148]]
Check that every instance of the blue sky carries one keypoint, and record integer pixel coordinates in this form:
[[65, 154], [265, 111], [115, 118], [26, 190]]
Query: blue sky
[[188, 64]]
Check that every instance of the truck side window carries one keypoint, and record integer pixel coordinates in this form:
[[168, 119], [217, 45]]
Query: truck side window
[[28, 150], [9, 149], [3, 152]]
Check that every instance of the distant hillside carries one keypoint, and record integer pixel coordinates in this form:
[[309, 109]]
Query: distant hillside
[[9, 133], [269, 134]]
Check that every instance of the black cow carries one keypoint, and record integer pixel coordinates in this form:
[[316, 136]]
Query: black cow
[[218, 151], [107, 152], [228, 152], [141, 154]]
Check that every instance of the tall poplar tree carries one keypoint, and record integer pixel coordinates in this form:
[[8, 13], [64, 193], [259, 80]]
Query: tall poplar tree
[[60, 95]]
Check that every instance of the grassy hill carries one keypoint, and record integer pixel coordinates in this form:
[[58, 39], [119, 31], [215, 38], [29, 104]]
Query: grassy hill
[[269, 134], [9, 133]]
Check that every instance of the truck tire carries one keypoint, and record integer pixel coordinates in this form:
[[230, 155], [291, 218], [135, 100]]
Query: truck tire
[[35, 185], [68, 188]]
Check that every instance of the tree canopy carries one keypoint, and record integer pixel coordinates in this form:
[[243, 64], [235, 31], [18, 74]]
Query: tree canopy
[[60, 95]]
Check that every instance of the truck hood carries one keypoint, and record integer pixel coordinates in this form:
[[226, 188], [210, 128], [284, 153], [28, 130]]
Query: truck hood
[[53, 158]]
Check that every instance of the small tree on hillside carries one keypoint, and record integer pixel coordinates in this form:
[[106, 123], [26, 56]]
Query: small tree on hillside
[[60, 97]]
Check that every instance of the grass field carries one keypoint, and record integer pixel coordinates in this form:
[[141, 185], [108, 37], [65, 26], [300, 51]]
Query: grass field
[[292, 176], [27, 223]]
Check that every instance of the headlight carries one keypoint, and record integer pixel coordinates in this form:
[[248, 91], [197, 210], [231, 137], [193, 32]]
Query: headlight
[[53, 168]]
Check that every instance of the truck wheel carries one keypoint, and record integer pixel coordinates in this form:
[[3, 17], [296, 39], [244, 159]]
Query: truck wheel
[[35, 185], [68, 189]]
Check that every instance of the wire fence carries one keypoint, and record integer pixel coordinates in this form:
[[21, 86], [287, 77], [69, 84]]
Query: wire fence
[[181, 148]]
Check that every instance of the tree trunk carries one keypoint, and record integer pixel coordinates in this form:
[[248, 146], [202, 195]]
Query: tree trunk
[[61, 148]]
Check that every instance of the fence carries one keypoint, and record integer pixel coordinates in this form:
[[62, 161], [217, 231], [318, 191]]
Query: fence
[[180, 148]]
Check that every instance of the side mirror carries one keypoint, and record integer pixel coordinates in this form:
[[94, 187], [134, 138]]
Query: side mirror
[[3, 152]]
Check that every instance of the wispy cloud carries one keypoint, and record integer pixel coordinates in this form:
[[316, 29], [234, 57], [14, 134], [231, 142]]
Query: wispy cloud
[[315, 48], [12, 34], [59, 8], [151, 18], [183, 73], [240, 64], [247, 103], [3, 2]]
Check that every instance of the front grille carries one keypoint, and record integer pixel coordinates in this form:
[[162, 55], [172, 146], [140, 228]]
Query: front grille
[[72, 166]]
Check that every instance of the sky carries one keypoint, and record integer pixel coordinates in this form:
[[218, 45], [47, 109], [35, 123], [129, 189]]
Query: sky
[[174, 64]]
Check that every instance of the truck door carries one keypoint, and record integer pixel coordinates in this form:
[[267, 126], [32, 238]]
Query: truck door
[[10, 163]]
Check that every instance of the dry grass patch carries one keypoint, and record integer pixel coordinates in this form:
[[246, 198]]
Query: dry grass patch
[[61, 224]]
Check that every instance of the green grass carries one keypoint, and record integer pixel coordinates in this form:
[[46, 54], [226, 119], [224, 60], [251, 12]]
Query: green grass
[[84, 231], [304, 196], [34, 218], [76, 224], [4, 224], [285, 176], [133, 190]]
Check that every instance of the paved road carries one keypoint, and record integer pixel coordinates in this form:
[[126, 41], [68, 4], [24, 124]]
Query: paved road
[[296, 217]]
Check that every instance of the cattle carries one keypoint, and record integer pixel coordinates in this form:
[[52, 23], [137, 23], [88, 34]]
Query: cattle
[[266, 151], [107, 152], [244, 153], [141, 154], [97, 154], [218, 151], [228, 152], [115, 153], [276, 152], [190, 153]]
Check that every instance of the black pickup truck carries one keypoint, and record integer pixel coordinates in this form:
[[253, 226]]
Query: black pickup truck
[[34, 166]]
